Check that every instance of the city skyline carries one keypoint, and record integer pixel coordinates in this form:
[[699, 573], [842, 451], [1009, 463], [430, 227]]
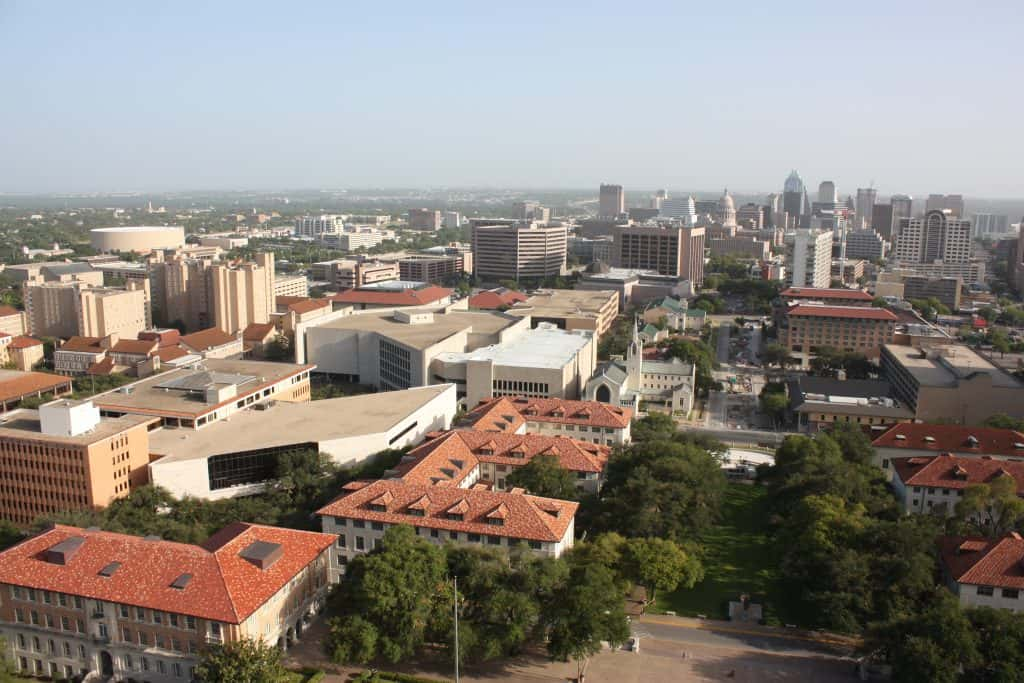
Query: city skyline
[[229, 97]]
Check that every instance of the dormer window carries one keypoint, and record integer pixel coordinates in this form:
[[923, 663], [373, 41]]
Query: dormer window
[[378, 507], [455, 516], [518, 453], [415, 512], [496, 522]]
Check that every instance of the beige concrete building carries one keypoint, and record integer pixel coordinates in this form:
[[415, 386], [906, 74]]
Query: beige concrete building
[[97, 605], [291, 285], [351, 273], [181, 292], [571, 309], [951, 383], [804, 328], [103, 312], [743, 247], [242, 294], [424, 219], [12, 321], [24, 352], [51, 308], [669, 250], [64, 457], [522, 251], [56, 271], [141, 239]]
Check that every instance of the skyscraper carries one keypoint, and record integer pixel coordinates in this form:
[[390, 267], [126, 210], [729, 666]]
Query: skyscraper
[[938, 236], [810, 259], [669, 250], [991, 224], [612, 201], [827, 193], [865, 206], [683, 208], [883, 220], [793, 200], [940, 202], [902, 207]]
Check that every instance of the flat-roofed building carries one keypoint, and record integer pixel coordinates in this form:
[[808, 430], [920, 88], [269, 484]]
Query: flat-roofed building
[[240, 456], [16, 385], [634, 286], [432, 268], [809, 259], [951, 382], [12, 321], [743, 247], [865, 244], [571, 309], [350, 273], [945, 289], [424, 219], [393, 348], [984, 572], [104, 311], [65, 457], [522, 251], [585, 420], [291, 285], [543, 362], [667, 249], [807, 327], [207, 391], [85, 603], [821, 402], [243, 294], [55, 271]]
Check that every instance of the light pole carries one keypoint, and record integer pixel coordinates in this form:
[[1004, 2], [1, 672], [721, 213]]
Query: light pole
[[455, 579]]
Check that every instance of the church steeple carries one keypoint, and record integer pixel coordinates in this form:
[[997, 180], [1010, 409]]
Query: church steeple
[[634, 359]]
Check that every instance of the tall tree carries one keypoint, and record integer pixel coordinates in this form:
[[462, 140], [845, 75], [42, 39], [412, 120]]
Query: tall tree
[[242, 660], [659, 564], [1000, 636], [991, 509], [545, 476]]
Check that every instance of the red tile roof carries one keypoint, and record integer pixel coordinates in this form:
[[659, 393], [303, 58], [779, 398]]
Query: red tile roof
[[954, 472], [257, 332], [984, 562], [208, 339], [404, 297], [102, 367], [169, 337], [284, 300], [496, 298], [852, 312], [169, 353], [309, 305], [82, 345], [31, 383], [23, 342], [524, 517], [953, 439], [825, 293], [138, 347], [8, 310], [491, 414], [223, 586]]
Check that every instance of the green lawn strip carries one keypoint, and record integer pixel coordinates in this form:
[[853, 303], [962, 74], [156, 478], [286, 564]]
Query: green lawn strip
[[738, 560]]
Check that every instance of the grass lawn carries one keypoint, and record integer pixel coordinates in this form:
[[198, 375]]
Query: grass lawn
[[738, 559]]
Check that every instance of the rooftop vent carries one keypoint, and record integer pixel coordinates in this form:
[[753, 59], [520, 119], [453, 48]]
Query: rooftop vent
[[62, 552], [901, 437], [262, 553], [930, 439], [182, 581], [1018, 444], [972, 441], [110, 569]]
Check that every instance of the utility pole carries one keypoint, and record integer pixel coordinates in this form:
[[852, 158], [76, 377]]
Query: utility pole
[[456, 581]]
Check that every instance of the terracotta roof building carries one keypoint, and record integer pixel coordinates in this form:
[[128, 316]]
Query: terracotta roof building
[[803, 328], [25, 352], [74, 356], [985, 572], [16, 385], [585, 420], [936, 483], [128, 607], [213, 343], [496, 299], [921, 440], [833, 296], [12, 321], [389, 295]]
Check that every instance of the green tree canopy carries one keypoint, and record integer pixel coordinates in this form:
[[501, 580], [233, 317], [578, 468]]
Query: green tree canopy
[[241, 660], [991, 509], [544, 476], [660, 565]]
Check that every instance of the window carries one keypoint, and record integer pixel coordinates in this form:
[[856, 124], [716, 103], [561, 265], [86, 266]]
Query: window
[[473, 538], [177, 669], [494, 540], [79, 603], [143, 638], [1011, 593], [433, 533], [103, 632], [125, 612], [985, 590], [145, 664], [173, 619], [360, 543], [65, 623], [377, 526], [160, 666], [175, 644], [190, 622], [358, 523], [66, 649], [21, 641], [158, 617], [454, 535], [35, 618], [19, 615], [128, 663], [341, 541], [340, 521], [126, 634], [158, 641], [140, 614]]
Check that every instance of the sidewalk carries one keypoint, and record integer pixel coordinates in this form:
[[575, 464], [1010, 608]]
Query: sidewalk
[[722, 626]]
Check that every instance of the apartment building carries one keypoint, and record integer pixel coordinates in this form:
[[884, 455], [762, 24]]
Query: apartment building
[[291, 285], [807, 327], [935, 484], [519, 251], [570, 309], [668, 250], [938, 236], [584, 420], [424, 219], [950, 382], [55, 271], [101, 605], [181, 292], [105, 312], [64, 456], [984, 572], [351, 274], [809, 259], [315, 226], [243, 294], [435, 269]]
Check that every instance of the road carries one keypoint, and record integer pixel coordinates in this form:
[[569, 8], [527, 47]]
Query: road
[[724, 330]]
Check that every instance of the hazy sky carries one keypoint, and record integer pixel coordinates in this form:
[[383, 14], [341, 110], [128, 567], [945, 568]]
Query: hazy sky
[[917, 96]]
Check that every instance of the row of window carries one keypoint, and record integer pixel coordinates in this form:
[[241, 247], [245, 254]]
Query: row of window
[[485, 539], [1008, 593]]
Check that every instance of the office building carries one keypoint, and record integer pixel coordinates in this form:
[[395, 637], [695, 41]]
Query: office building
[[523, 251], [991, 225], [951, 383], [683, 209], [12, 321], [883, 221], [570, 309], [611, 202], [242, 295], [828, 196], [807, 327], [66, 309], [451, 220], [97, 605], [954, 203], [65, 457], [587, 250], [207, 391], [424, 219], [635, 286], [793, 200], [821, 402], [674, 251], [809, 262], [542, 362], [240, 456], [902, 207], [865, 244], [945, 289], [353, 240], [531, 212], [585, 420], [316, 226], [352, 273], [742, 247], [432, 268], [625, 383], [866, 197], [750, 216], [938, 236], [291, 285]]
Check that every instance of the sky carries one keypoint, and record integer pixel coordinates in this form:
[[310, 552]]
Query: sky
[[915, 97]]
